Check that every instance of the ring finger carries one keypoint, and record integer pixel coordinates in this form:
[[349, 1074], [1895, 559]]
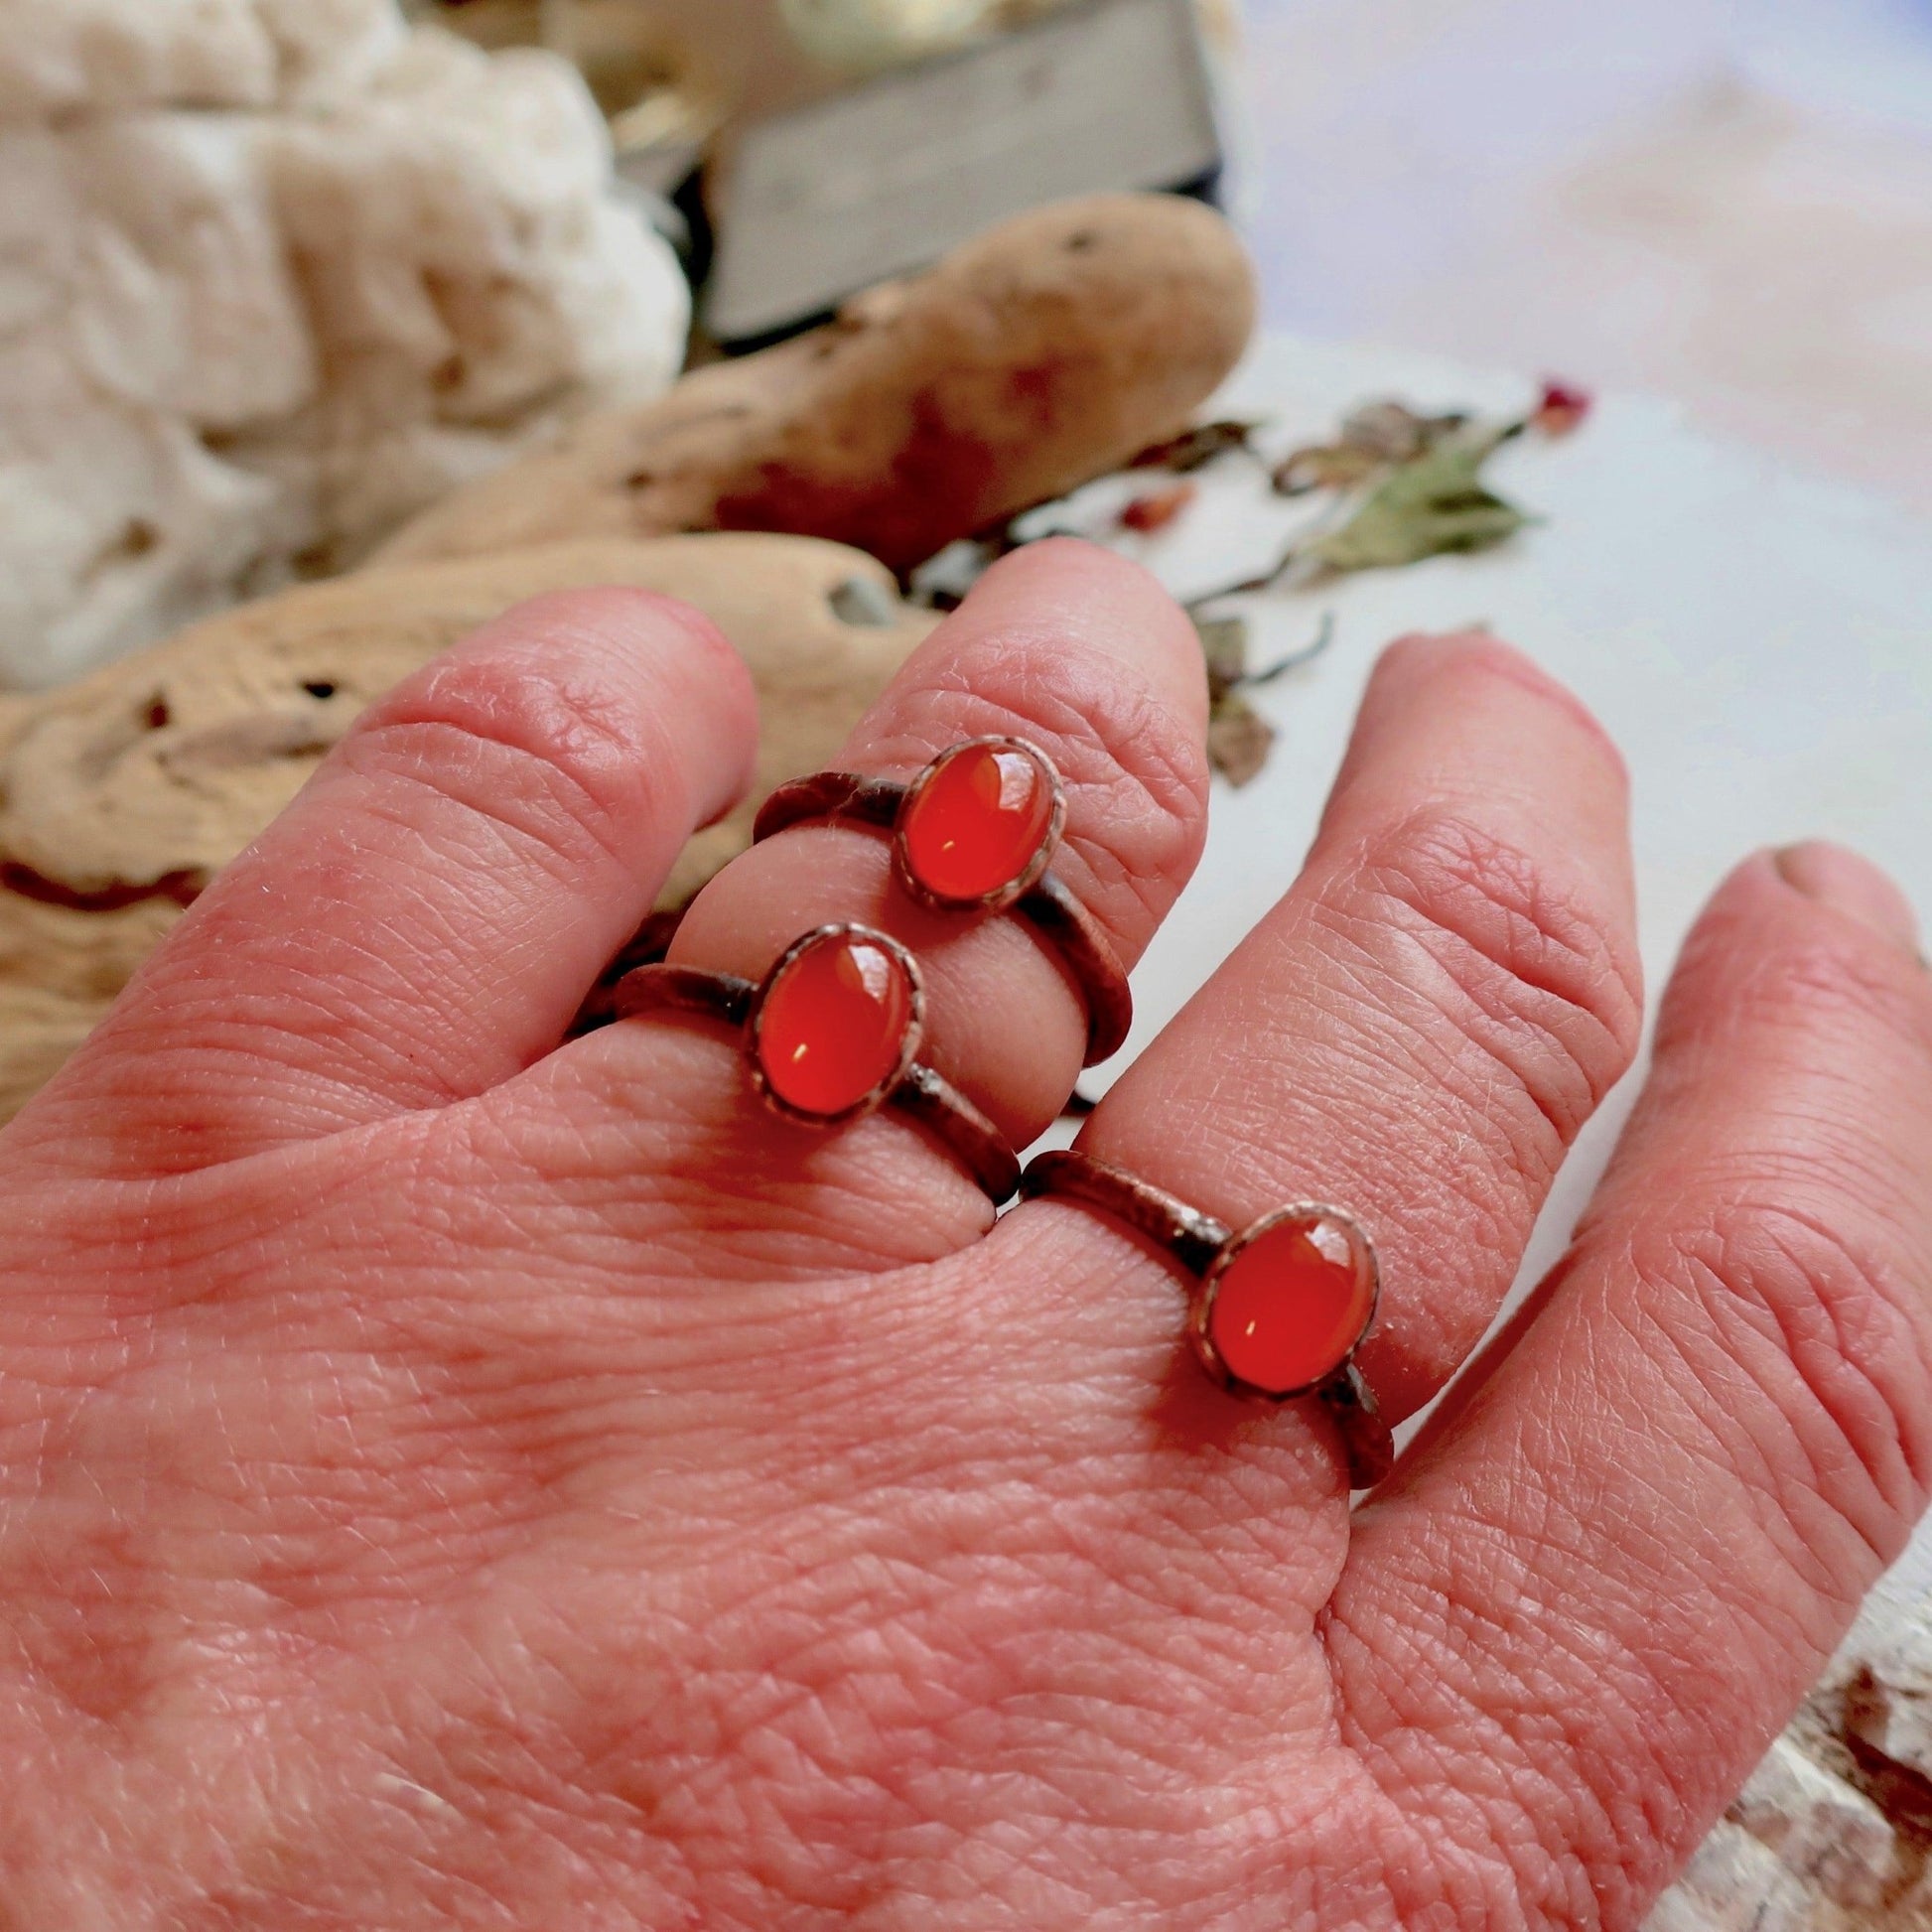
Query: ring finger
[[1082, 654]]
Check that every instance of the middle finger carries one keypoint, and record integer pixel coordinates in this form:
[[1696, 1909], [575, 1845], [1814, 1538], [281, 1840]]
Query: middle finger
[[1420, 1029]]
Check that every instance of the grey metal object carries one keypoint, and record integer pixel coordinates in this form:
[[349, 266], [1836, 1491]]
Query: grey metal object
[[826, 199]]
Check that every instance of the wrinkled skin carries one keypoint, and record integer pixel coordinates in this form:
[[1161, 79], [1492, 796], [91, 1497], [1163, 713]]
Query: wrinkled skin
[[446, 1479]]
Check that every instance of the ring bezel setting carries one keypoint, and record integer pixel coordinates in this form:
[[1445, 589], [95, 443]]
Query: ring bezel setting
[[1322, 1223], [799, 958], [923, 794], [1211, 1253], [898, 1077]]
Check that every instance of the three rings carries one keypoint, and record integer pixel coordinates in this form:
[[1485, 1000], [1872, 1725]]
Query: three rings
[[1278, 1309]]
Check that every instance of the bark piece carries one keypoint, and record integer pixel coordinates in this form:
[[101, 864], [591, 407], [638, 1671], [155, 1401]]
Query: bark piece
[[121, 795]]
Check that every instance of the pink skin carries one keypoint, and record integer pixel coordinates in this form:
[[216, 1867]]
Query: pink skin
[[449, 1481]]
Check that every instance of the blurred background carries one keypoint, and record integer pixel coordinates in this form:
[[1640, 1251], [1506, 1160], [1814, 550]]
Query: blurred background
[[1725, 201], [1728, 201]]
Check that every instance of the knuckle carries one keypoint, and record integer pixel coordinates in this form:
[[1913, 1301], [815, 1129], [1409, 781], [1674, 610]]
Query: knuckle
[[558, 760], [1818, 1302], [1136, 774], [1523, 958]]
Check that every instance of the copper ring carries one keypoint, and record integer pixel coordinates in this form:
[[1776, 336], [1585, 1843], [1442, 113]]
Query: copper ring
[[913, 1088], [1207, 1249], [1037, 895]]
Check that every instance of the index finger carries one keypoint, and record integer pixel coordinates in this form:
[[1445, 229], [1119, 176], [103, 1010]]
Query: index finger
[[423, 919]]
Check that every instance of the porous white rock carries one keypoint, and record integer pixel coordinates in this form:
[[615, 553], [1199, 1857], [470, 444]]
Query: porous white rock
[[240, 343], [1734, 1883], [1830, 1834], [1888, 1702], [65, 56], [1826, 1833]]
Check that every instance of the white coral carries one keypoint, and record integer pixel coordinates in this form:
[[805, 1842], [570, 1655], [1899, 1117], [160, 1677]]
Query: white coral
[[273, 275], [66, 56]]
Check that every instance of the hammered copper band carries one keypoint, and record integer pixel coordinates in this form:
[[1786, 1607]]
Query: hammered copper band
[[847, 798], [923, 1095], [1196, 1241]]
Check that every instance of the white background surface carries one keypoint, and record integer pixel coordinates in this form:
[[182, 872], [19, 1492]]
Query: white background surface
[[1729, 202], [1758, 643]]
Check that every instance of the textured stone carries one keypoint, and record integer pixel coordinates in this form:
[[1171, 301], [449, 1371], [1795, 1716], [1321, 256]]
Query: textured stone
[[61, 57], [1734, 1883], [121, 794], [1834, 1830], [1888, 1702], [1825, 1831]]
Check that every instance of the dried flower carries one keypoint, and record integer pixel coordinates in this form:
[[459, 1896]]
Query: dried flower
[[1156, 509], [1562, 407]]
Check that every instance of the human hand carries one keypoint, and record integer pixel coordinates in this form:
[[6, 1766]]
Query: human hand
[[446, 1479]]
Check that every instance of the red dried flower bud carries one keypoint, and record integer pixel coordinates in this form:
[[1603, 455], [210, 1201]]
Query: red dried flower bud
[[1562, 407]]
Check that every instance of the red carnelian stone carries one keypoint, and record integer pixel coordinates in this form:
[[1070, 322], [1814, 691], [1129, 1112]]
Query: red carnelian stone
[[1292, 1303], [833, 1024], [976, 821]]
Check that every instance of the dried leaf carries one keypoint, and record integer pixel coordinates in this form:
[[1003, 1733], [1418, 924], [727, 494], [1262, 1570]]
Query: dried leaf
[[1435, 504], [1373, 437], [1239, 740], [1196, 448], [1225, 644]]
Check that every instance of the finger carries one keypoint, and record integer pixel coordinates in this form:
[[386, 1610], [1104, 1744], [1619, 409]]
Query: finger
[[1420, 1027], [1062, 643], [1083, 653], [424, 919], [1590, 1605]]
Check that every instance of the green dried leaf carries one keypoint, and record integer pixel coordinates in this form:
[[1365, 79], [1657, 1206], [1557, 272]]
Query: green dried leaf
[[1437, 505]]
